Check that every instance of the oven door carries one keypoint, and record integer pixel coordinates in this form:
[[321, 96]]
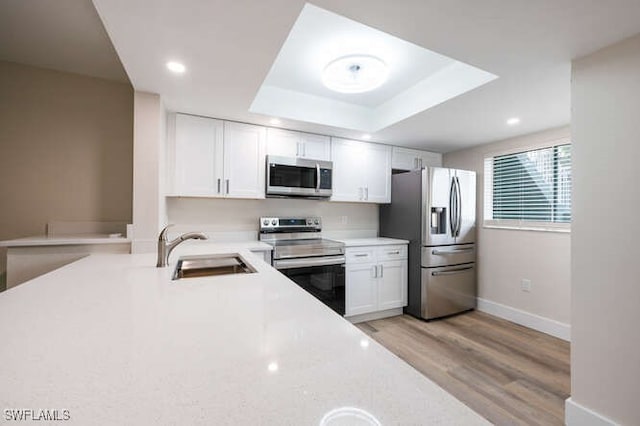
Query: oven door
[[322, 277], [298, 177]]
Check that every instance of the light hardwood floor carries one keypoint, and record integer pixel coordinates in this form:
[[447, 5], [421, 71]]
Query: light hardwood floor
[[507, 373]]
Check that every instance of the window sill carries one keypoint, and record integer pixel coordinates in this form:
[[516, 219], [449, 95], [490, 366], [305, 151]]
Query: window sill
[[535, 228]]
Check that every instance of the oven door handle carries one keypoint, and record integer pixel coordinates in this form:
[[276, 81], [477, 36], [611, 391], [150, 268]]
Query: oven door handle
[[309, 262]]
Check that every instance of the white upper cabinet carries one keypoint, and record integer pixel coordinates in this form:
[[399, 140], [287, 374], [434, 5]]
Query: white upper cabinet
[[288, 143], [361, 171], [197, 155], [411, 159], [244, 160], [213, 158]]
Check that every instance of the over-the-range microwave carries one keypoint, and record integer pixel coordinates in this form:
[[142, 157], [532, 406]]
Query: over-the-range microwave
[[298, 177]]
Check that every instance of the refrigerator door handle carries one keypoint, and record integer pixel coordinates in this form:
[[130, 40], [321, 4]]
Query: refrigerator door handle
[[452, 251], [451, 271], [452, 216], [459, 207]]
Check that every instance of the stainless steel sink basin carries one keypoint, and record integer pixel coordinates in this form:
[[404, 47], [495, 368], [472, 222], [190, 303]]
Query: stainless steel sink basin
[[211, 265]]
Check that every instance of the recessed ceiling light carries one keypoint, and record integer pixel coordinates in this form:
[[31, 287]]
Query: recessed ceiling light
[[275, 121], [355, 74], [366, 136], [273, 367], [513, 121], [176, 67]]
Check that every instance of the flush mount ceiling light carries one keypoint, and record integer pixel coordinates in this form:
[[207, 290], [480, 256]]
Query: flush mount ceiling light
[[513, 121], [176, 67], [355, 74]]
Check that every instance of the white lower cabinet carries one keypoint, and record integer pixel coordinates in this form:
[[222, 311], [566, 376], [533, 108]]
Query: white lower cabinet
[[376, 279]]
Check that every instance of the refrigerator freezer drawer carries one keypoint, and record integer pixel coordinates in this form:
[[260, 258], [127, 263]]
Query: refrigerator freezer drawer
[[448, 255], [448, 290]]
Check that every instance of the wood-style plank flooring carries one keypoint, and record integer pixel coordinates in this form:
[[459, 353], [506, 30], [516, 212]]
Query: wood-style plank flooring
[[507, 373]]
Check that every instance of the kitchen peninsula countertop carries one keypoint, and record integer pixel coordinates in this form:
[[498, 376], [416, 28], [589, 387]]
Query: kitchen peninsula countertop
[[64, 240], [113, 340]]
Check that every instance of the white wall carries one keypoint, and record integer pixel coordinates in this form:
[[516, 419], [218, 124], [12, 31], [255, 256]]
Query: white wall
[[605, 348], [149, 137], [507, 256], [229, 215]]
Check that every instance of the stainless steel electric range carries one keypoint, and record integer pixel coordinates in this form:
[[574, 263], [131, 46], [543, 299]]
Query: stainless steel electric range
[[301, 253]]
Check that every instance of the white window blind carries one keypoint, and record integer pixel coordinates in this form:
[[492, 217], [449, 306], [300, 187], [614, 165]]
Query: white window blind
[[529, 188]]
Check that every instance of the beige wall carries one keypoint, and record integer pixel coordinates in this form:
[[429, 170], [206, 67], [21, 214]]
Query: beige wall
[[605, 350], [65, 149], [507, 256]]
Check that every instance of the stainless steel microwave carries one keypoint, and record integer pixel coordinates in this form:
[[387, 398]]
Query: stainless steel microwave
[[298, 177]]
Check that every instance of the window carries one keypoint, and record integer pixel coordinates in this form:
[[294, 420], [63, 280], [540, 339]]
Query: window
[[530, 189]]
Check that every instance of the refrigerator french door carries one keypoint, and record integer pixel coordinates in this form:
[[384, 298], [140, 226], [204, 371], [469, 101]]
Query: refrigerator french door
[[449, 206], [435, 209]]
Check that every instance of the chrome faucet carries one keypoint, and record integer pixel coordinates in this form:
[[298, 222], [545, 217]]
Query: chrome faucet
[[165, 247]]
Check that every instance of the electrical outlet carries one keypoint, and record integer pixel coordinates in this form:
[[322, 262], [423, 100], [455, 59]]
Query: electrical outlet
[[525, 285], [343, 220]]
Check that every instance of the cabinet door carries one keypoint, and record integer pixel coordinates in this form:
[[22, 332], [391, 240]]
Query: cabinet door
[[392, 284], [378, 174], [315, 147], [430, 159], [244, 160], [348, 163], [404, 159], [361, 289], [283, 142], [197, 155]]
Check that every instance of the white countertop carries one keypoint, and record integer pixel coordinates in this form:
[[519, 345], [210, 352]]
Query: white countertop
[[380, 241], [64, 240], [113, 340]]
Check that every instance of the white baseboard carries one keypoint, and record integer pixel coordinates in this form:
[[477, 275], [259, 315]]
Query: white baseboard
[[374, 315], [536, 322], [579, 415]]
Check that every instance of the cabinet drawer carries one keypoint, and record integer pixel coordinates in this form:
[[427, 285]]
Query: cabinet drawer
[[360, 255], [391, 252]]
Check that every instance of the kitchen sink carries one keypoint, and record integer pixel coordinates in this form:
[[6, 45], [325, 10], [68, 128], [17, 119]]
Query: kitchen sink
[[211, 265]]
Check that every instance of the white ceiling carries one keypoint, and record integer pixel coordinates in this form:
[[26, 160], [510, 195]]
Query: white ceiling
[[229, 46], [418, 78], [65, 35]]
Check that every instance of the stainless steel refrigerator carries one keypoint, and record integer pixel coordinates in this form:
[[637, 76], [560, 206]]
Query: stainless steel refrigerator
[[435, 209]]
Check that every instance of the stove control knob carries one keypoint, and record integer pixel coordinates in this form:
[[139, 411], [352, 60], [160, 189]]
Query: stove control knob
[[317, 222], [274, 222], [265, 222]]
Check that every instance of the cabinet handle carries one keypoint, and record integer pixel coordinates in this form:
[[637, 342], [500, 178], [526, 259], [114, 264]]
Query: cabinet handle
[[415, 163], [421, 163], [227, 181], [381, 271], [362, 255], [394, 252], [375, 271], [297, 149], [219, 185], [367, 192], [360, 193], [304, 149]]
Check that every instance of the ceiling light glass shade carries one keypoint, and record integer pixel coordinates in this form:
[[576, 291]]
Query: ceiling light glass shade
[[355, 74]]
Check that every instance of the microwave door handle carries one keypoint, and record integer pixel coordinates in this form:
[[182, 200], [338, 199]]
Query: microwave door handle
[[317, 177]]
